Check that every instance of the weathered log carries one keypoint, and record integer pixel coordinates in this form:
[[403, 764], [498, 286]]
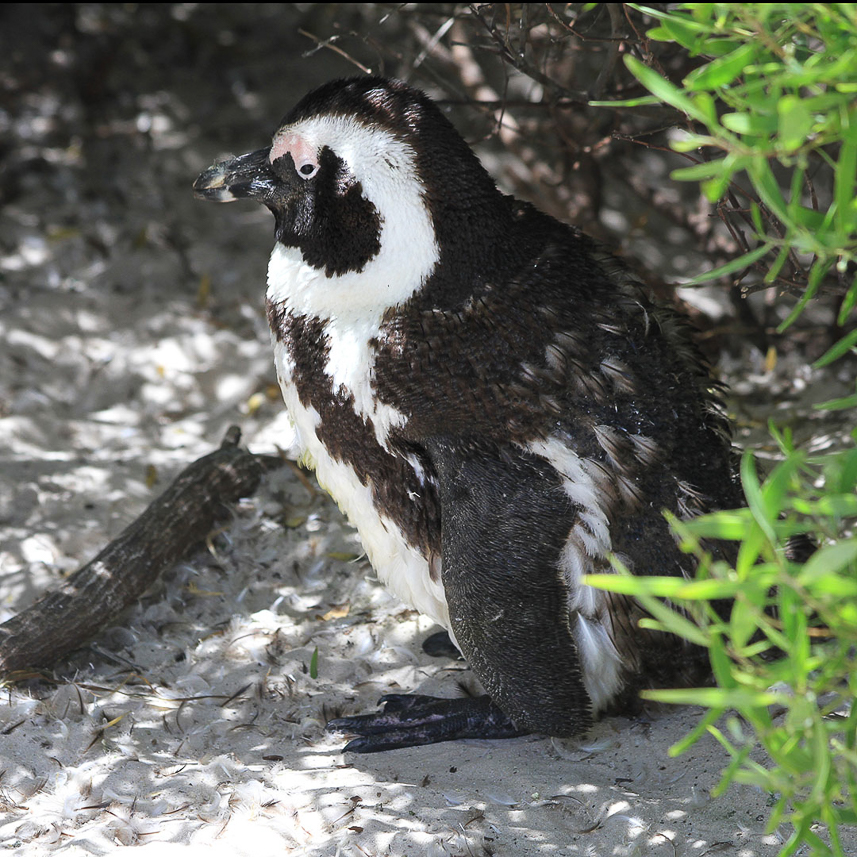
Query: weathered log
[[170, 527]]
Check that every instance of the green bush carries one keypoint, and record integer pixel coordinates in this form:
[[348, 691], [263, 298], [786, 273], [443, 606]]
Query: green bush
[[785, 657], [773, 101]]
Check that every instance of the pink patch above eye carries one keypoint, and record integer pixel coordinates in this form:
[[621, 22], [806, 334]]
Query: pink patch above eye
[[294, 145]]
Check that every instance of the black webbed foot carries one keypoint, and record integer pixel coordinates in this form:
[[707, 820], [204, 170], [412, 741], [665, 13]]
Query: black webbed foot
[[408, 720], [440, 645]]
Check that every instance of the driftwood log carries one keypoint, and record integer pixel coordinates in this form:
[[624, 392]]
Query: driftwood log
[[171, 526]]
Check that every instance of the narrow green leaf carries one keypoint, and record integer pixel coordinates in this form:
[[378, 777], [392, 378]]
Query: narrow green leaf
[[643, 101], [777, 486], [821, 760], [763, 513], [714, 188], [659, 34], [705, 170], [829, 560], [848, 303], [644, 589], [722, 71], [830, 505], [838, 404], [663, 89], [754, 124], [756, 215], [685, 33], [731, 267], [707, 590], [720, 525], [808, 217], [843, 346], [714, 697], [767, 187], [795, 122], [627, 584], [750, 550], [721, 663], [742, 623], [816, 275], [690, 142], [775, 269], [313, 664], [846, 173], [696, 733]]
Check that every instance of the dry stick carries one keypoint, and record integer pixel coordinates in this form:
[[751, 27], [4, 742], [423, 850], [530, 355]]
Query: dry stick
[[171, 526]]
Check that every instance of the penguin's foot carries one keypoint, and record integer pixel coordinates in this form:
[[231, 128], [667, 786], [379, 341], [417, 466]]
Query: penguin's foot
[[440, 645], [408, 720]]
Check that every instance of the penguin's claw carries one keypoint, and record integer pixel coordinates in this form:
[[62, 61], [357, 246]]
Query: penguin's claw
[[409, 720]]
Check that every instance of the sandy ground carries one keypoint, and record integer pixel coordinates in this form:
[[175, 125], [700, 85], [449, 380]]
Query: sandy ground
[[132, 334]]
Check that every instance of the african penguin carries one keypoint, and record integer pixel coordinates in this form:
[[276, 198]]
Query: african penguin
[[492, 402]]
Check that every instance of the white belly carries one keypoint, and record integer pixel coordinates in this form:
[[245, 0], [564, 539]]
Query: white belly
[[400, 567]]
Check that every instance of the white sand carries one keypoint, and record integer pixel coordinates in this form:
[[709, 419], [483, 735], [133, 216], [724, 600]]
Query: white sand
[[144, 741]]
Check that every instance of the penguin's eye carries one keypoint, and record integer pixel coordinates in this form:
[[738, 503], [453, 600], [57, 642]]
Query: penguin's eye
[[307, 169]]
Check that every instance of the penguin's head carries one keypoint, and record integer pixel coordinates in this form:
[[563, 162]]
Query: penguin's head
[[365, 176]]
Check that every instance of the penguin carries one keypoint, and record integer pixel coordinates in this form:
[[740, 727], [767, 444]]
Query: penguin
[[492, 401]]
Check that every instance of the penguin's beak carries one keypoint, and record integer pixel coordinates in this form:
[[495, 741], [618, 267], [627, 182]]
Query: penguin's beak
[[246, 177]]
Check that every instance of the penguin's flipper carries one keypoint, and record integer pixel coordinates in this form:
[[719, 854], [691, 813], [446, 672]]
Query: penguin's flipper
[[409, 720], [505, 521]]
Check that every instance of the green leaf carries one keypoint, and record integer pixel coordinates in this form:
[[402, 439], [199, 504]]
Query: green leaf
[[838, 404], [643, 101], [816, 275], [626, 584], [828, 560], [775, 269], [764, 512], [683, 32], [754, 124], [705, 170], [808, 217], [714, 188], [674, 588], [696, 733], [674, 28], [664, 90], [731, 267], [830, 505], [821, 759], [777, 486], [795, 122], [714, 697], [846, 173], [848, 303], [690, 142], [837, 350], [313, 664], [791, 613], [722, 71], [720, 525], [767, 187], [721, 663], [742, 623], [659, 34]]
